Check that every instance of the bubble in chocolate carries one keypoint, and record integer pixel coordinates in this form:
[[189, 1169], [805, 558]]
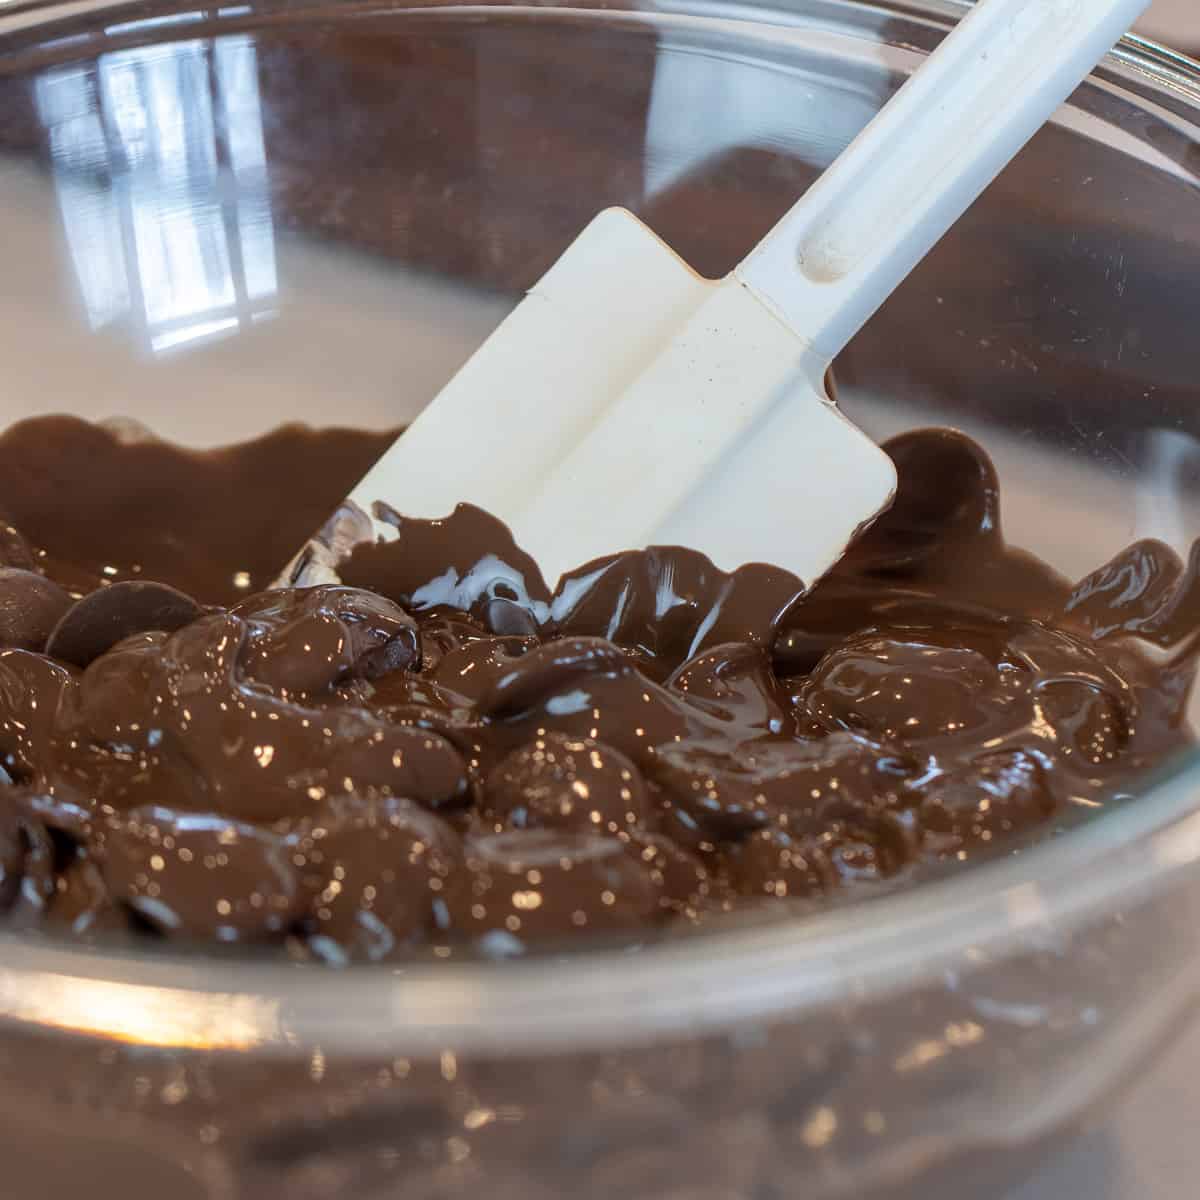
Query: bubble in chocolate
[[199, 875], [374, 872], [110, 614], [30, 607], [538, 885], [560, 782]]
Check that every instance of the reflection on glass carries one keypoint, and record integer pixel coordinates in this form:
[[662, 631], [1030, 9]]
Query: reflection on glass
[[1167, 485], [161, 176], [726, 99]]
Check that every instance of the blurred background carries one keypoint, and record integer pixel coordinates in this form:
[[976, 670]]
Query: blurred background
[[1176, 22]]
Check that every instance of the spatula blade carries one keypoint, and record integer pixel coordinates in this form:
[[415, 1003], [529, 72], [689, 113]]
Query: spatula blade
[[533, 390], [628, 402]]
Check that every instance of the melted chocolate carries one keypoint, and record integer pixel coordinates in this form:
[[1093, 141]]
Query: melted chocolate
[[440, 750]]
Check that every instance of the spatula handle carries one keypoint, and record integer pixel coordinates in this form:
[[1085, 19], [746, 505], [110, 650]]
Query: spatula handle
[[908, 177]]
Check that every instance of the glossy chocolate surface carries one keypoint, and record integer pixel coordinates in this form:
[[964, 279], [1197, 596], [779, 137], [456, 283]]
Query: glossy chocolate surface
[[440, 751]]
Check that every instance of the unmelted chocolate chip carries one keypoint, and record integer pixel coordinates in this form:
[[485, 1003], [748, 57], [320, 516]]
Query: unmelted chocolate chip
[[308, 641], [869, 841], [199, 875], [913, 685], [374, 873], [31, 689], [15, 551], [685, 884], [27, 862], [991, 795], [83, 905], [560, 782], [30, 607], [671, 603], [174, 716], [540, 884], [553, 668], [110, 614], [443, 634], [13, 848], [774, 862], [469, 671], [735, 683], [731, 795]]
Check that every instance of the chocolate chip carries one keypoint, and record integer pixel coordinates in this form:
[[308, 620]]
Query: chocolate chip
[[994, 794], [775, 863], [560, 782], [199, 875], [31, 689], [910, 686], [82, 904], [374, 872], [540, 884], [30, 607], [110, 614], [15, 551], [27, 881], [552, 668], [310, 641]]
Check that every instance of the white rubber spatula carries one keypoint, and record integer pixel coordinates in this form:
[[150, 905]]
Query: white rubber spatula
[[628, 402]]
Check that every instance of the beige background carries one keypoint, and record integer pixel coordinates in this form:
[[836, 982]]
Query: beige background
[[1176, 22]]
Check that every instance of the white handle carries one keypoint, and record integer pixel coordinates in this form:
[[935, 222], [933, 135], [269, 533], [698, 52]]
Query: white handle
[[906, 179]]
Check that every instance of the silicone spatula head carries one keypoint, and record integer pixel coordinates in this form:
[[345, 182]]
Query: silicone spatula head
[[628, 402]]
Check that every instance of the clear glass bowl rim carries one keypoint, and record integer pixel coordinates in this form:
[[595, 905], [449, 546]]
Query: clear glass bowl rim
[[609, 998]]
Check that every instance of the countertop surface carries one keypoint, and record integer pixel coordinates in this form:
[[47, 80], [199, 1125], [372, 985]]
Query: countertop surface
[[1144, 1149]]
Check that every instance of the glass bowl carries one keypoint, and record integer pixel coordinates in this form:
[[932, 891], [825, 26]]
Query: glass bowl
[[213, 220]]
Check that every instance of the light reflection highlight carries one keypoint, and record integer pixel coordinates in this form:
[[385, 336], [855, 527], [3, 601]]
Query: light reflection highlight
[[141, 1016], [161, 177]]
